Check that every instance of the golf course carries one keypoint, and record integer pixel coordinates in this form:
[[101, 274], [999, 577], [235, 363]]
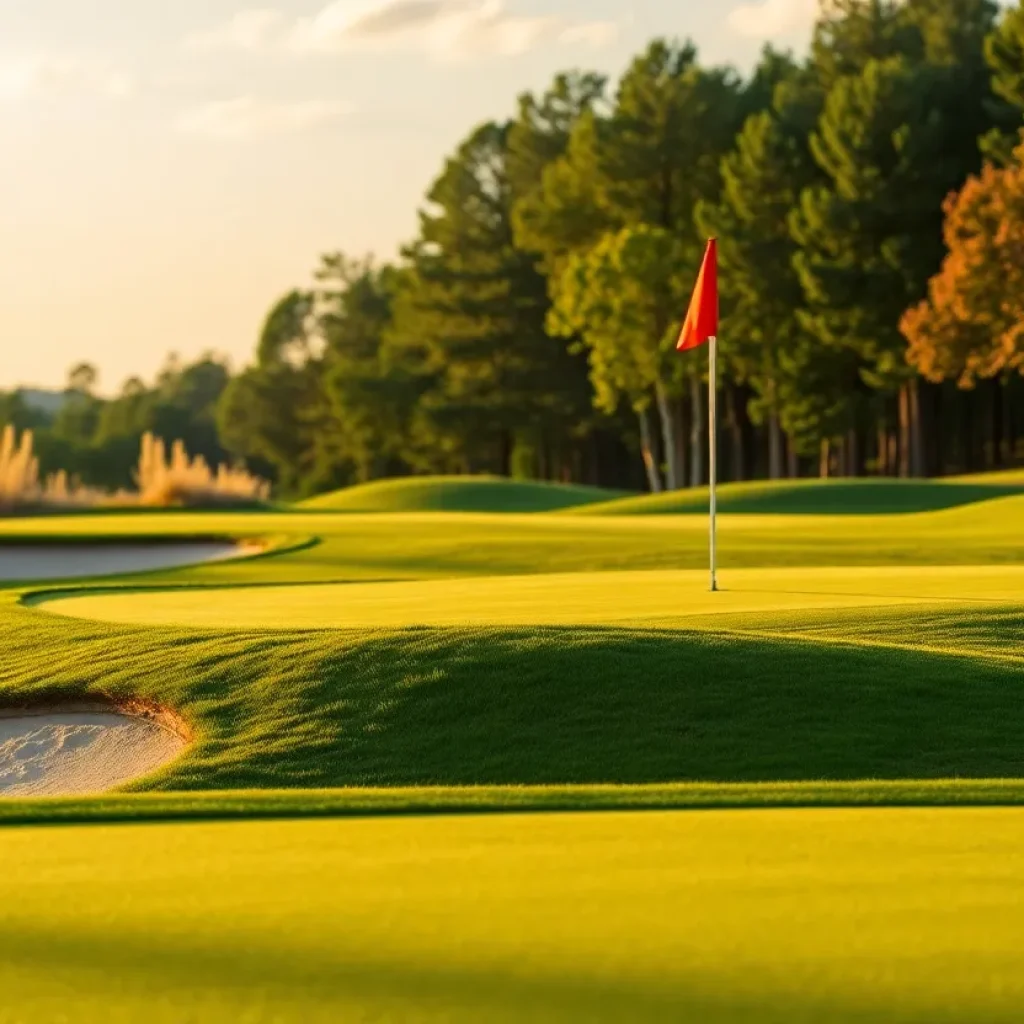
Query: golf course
[[481, 749]]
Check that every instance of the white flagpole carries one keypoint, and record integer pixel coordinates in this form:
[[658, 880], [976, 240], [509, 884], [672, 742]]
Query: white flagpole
[[713, 452]]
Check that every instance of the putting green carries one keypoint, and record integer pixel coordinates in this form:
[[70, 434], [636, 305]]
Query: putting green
[[847, 916], [666, 598]]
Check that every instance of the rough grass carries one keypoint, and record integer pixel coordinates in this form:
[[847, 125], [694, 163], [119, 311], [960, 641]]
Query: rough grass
[[458, 494], [773, 917]]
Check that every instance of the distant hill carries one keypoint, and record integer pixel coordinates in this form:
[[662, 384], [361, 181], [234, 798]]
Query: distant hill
[[867, 496], [48, 402], [458, 494]]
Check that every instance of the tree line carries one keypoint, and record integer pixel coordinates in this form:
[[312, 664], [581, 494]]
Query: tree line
[[868, 198]]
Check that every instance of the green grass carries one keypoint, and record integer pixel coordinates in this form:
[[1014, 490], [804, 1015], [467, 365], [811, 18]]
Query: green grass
[[869, 496], [848, 916], [441, 545], [645, 600], [841, 694], [415, 669], [458, 494], [815, 673], [1001, 477], [818, 497]]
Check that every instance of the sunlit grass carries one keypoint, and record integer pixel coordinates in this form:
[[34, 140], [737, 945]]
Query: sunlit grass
[[767, 916], [532, 662]]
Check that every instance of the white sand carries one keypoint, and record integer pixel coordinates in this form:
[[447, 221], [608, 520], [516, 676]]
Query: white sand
[[83, 752], [76, 561]]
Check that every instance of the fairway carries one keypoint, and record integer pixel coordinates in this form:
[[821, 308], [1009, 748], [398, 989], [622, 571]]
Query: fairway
[[723, 917]]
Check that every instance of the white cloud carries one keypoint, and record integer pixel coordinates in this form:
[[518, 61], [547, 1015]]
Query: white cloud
[[441, 28], [61, 75], [246, 117], [247, 30], [773, 19]]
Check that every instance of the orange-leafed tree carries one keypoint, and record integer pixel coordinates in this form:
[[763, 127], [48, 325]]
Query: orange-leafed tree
[[971, 326]]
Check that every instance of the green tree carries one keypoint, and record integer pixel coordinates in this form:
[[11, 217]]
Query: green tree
[[469, 319], [621, 299], [1004, 55], [272, 411], [763, 178], [892, 145]]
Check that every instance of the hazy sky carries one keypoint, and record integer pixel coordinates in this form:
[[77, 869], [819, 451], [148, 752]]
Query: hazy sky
[[168, 169]]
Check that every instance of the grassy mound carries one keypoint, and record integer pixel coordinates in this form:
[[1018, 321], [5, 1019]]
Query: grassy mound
[[836, 695], [458, 494], [816, 497], [1000, 477], [561, 681]]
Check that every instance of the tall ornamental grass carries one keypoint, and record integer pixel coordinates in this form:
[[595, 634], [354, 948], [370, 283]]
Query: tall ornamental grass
[[163, 478]]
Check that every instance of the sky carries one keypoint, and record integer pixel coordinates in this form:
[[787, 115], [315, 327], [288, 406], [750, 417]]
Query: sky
[[168, 170]]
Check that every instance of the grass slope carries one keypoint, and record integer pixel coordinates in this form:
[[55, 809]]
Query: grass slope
[[899, 693], [777, 916], [458, 494], [817, 497]]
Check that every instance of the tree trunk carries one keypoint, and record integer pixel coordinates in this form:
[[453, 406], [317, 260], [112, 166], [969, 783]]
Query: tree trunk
[[793, 467], [916, 431], [905, 431], [680, 440], [774, 446], [647, 451], [883, 450], [1008, 424], [668, 437], [852, 453], [698, 417], [825, 458], [998, 421], [738, 467]]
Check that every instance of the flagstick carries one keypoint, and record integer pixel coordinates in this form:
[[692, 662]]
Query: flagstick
[[713, 449]]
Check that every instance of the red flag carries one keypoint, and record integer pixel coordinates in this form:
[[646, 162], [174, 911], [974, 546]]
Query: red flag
[[702, 319]]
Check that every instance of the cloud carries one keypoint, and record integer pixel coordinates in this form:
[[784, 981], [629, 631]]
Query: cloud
[[61, 75], [247, 30], [773, 19], [246, 117], [443, 29]]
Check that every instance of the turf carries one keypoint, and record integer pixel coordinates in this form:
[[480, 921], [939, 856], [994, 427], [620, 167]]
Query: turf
[[774, 916], [447, 801], [899, 693], [415, 669], [458, 494], [586, 677], [641, 599], [869, 496], [441, 545]]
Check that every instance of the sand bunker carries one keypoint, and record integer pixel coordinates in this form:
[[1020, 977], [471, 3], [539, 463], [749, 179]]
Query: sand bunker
[[79, 561], [72, 753]]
